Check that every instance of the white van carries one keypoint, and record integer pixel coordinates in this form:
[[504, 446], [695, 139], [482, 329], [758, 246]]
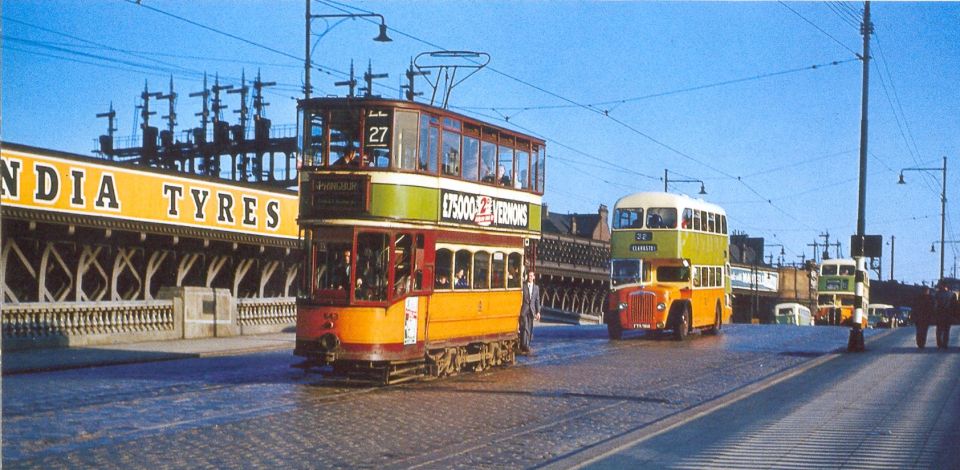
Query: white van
[[882, 316], [792, 313]]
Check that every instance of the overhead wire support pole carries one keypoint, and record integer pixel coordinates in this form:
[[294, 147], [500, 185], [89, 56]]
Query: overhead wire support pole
[[943, 203], [856, 342], [382, 37]]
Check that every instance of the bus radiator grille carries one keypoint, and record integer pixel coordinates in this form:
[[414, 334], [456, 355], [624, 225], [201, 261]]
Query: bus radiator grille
[[642, 305]]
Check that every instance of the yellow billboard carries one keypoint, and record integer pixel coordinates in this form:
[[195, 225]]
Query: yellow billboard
[[80, 185]]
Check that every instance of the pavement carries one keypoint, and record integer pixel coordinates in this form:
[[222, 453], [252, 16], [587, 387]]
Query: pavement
[[42, 360], [894, 406]]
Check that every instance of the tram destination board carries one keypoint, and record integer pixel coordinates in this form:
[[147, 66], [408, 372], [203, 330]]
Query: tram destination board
[[338, 195]]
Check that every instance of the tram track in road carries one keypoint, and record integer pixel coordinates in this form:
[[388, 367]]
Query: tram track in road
[[598, 408]]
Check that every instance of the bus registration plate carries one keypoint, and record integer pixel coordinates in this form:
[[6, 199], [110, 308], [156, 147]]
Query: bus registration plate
[[641, 325]]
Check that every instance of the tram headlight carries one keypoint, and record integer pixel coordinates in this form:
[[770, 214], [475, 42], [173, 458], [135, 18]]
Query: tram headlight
[[622, 306], [661, 307]]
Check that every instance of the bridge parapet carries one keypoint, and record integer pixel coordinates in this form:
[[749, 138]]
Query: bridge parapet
[[54, 324]]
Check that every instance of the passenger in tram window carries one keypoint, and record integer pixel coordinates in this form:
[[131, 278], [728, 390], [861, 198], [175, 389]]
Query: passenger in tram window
[[349, 158], [502, 176], [462, 282], [442, 282], [487, 173]]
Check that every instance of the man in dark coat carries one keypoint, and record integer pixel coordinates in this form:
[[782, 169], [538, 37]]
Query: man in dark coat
[[529, 310], [945, 304], [922, 315]]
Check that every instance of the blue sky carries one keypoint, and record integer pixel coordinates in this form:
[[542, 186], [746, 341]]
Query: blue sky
[[722, 92]]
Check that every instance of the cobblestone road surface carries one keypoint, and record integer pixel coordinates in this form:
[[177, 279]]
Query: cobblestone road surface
[[579, 390]]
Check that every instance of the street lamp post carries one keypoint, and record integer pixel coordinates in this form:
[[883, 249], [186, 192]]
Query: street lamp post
[[943, 250], [667, 181], [382, 37], [943, 202]]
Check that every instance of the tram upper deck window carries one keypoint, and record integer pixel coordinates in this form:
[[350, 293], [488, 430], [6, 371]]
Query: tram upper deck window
[[488, 161], [828, 270], [661, 217], [541, 169], [372, 261], [505, 165], [451, 153], [711, 222], [847, 270], [471, 158], [628, 218], [405, 139], [344, 135], [313, 144], [429, 143], [723, 224], [523, 170]]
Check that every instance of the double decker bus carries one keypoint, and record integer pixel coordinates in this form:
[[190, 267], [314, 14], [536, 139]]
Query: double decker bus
[[669, 266], [418, 225], [835, 292]]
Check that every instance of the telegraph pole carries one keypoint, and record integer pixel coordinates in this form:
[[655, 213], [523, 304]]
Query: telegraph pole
[[893, 252], [856, 342]]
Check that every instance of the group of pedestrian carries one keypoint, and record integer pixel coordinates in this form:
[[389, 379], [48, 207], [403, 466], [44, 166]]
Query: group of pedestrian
[[939, 308]]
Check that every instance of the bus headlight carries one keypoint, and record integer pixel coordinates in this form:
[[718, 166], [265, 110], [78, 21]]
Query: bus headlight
[[622, 306], [661, 307]]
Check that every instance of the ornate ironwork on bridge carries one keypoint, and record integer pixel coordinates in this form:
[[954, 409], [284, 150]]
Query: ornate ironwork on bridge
[[573, 260]]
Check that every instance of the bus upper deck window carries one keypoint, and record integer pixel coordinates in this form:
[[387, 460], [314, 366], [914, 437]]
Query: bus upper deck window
[[661, 217]]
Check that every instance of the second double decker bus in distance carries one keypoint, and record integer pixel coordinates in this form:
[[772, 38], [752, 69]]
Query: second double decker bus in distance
[[836, 296], [419, 225], [669, 265]]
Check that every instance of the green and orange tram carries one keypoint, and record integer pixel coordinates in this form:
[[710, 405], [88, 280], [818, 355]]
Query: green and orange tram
[[418, 225]]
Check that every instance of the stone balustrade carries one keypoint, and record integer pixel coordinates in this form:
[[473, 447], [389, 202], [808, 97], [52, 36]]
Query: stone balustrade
[[190, 312], [82, 323]]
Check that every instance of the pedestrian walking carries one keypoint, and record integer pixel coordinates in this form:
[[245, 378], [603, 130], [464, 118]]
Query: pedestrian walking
[[529, 310], [946, 303], [922, 315]]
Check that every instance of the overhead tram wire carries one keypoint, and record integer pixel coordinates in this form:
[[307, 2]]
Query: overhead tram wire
[[673, 92], [322, 69], [795, 12]]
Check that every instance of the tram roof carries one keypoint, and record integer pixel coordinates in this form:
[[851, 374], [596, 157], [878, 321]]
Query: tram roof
[[661, 199], [343, 102]]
